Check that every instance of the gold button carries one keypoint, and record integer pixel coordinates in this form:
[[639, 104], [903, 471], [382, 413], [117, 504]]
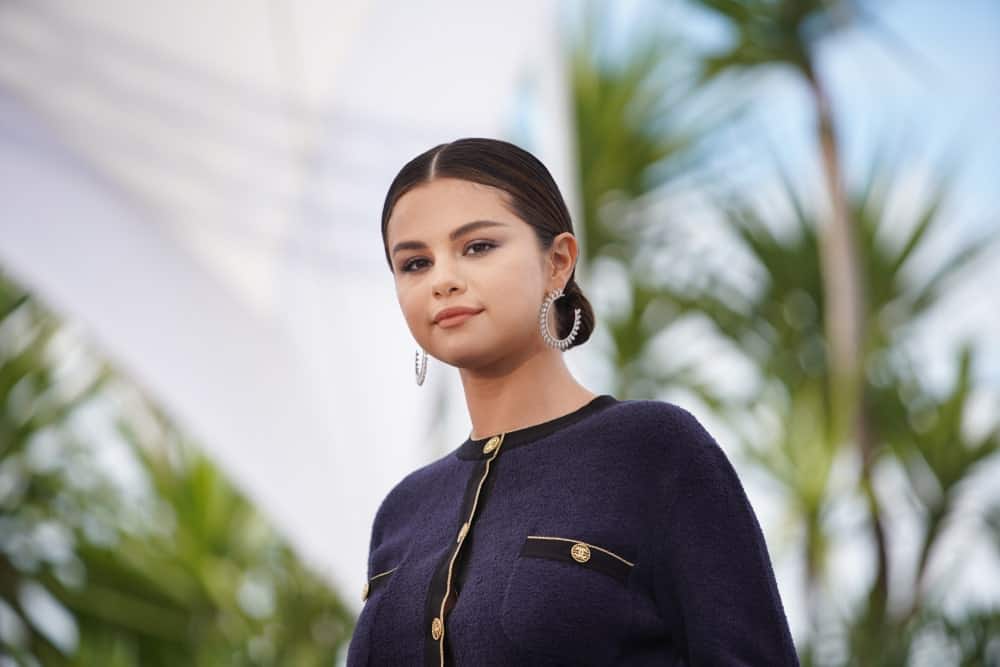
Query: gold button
[[463, 531], [364, 592], [437, 628], [580, 552], [491, 444]]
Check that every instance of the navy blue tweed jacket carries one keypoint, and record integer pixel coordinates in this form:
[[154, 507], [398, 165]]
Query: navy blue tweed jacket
[[617, 534]]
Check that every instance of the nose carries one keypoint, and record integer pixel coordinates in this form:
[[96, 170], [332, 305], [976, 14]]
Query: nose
[[446, 287], [447, 281]]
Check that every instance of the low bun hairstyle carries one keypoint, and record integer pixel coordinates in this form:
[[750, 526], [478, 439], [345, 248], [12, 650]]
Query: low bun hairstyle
[[532, 195]]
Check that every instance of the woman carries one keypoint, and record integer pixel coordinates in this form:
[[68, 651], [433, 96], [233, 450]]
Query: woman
[[569, 528]]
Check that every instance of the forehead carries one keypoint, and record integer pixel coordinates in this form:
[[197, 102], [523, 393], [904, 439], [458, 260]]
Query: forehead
[[443, 204]]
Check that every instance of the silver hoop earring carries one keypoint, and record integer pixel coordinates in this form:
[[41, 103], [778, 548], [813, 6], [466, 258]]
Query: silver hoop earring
[[543, 322], [420, 366]]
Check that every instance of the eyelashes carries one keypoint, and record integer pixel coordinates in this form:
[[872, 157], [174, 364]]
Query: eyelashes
[[413, 265]]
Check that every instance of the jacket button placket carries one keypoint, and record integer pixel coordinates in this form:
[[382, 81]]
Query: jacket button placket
[[492, 449]]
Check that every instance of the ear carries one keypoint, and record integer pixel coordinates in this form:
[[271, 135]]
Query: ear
[[562, 258]]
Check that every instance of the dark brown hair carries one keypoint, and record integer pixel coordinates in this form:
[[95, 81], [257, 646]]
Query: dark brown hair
[[532, 195]]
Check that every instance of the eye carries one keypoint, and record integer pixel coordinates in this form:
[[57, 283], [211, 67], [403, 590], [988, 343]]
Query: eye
[[409, 266], [488, 245]]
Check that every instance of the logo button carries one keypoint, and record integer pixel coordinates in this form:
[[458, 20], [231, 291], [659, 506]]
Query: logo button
[[580, 552]]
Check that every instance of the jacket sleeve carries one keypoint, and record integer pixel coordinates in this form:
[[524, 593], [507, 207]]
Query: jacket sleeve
[[713, 577]]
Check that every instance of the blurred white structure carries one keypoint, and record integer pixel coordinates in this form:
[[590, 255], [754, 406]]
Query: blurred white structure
[[200, 185]]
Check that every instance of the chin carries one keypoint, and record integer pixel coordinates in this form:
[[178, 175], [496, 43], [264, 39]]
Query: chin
[[460, 359], [465, 354]]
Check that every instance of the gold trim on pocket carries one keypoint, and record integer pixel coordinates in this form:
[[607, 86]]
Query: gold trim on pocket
[[367, 587], [587, 544]]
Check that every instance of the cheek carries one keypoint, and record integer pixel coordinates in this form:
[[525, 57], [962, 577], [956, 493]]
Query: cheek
[[516, 295], [408, 303]]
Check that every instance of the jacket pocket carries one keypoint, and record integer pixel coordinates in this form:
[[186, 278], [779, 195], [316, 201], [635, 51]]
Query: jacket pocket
[[568, 599], [374, 589], [376, 581], [577, 551]]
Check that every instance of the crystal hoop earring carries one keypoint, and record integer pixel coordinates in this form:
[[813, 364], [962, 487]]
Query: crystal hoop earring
[[543, 322], [420, 366]]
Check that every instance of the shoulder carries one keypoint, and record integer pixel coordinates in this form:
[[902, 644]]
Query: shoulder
[[417, 481], [406, 496], [663, 427], [667, 439]]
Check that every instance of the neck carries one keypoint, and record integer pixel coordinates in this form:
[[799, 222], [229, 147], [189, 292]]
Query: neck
[[520, 394]]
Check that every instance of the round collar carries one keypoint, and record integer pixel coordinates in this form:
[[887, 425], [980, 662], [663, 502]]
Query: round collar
[[473, 449]]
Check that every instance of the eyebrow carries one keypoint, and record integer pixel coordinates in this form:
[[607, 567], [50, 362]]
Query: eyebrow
[[455, 234]]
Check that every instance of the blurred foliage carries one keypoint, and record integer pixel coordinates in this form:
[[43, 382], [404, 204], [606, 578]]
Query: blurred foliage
[[762, 288], [765, 34], [642, 124], [768, 32], [120, 544]]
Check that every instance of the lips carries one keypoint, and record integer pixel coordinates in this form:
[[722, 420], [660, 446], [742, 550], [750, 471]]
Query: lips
[[456, 315]]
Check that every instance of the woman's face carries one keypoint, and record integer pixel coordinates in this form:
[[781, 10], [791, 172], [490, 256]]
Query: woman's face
[[453, 243]]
